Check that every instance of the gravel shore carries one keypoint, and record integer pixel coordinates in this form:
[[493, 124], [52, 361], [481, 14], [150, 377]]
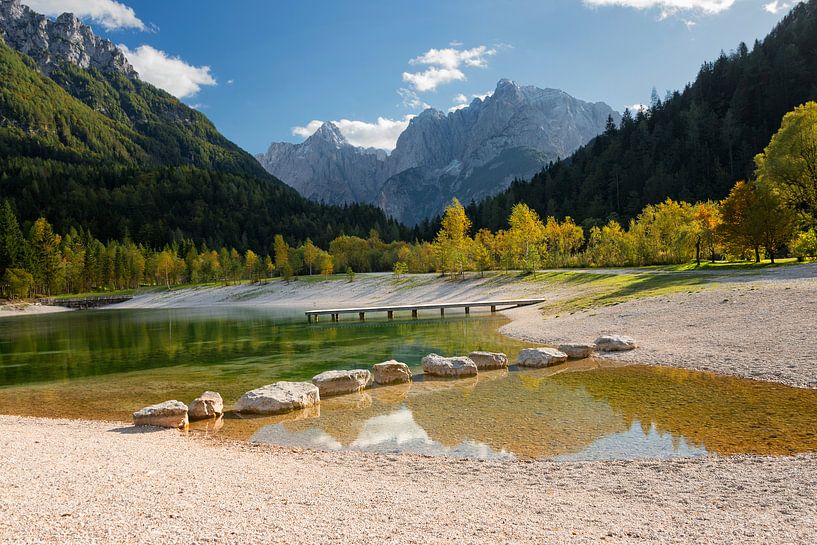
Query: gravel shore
[[759, 326], [72, 482]]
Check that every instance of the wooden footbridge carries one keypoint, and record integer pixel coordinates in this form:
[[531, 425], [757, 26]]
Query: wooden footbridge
[[334, 313]]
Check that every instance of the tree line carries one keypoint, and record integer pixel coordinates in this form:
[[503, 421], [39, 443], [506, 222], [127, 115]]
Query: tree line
[[772, 214]]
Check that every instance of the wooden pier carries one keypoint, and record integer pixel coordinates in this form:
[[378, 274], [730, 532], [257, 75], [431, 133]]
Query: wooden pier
[[334, 313]]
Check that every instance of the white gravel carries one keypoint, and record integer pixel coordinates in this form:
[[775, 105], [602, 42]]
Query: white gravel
[[758, 326], [72, 482]]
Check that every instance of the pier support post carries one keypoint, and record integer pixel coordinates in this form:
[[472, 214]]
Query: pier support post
[[309, 318], [493, 308], [442, 312], [390, 314], [467, 311], [362, 316], [414, 313]]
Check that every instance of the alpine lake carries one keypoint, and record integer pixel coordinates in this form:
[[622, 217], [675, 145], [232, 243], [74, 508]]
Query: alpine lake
[[105, 364]]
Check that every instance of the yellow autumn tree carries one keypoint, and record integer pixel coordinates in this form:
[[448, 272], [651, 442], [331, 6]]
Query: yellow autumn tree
[[452, 241]]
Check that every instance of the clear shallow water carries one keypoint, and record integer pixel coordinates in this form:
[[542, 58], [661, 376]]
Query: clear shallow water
[[106, 364]]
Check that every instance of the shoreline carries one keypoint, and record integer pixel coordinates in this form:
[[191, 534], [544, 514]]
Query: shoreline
[[80, 481]]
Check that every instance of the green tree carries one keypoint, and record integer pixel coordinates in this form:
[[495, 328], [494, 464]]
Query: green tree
[[12, 242], [44, 258], [311, 254], [789, 162], [20, 282]]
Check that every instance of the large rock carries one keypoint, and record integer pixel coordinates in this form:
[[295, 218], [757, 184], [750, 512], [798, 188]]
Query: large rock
[[615, 343], [489, 360], [342, 382], [540, 357], [279, 397], [391, 372], [459, 366], [169, 414], [207, 405], [577, 351]]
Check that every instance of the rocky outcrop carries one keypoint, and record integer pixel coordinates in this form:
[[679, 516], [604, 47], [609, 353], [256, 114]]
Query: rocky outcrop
[[207, 405], [280, 397], [470, 154], [615, 343], [489, 360], [326, 167], [459, 366], [540, 357], [391, 372], [169, 414], [577, 351], [65, 39], [338, 382]]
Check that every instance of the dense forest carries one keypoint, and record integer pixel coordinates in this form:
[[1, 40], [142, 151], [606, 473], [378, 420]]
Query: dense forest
[[122, 159], [692, 146]]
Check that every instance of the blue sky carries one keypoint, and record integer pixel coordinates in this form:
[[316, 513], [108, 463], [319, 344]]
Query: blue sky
[[265, 67]]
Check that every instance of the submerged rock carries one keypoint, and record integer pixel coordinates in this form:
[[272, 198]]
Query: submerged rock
[[540, 357], [169, 414], [391, 372], [459, 366], [342, 382], [279, 397], [207, 405], [489, 360], [615, 343], [577, 351]]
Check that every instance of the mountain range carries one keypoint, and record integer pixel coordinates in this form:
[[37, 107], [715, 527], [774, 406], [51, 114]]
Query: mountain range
[[88, 144], [470, 153]]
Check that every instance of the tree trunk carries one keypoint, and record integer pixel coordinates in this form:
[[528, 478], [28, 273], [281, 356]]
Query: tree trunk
[[757, 254], [698, 251]]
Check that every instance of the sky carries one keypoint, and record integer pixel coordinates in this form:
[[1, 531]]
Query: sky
[[268, 71]]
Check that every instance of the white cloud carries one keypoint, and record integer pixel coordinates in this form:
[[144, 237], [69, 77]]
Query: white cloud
[[445, 65], [776, 7], [638, 107], [230, 81], [108, 13], [169, 73], [381, 134], [669, 7], [307, 130], [411, 100], [460, 102]]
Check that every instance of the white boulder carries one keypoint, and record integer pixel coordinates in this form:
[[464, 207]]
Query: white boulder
[[207, 405], [391, 372], [615, 343], [169, 414], [338, 382], [540, 357], [577, 351], [279, 397], [459, 366], [489, 360]]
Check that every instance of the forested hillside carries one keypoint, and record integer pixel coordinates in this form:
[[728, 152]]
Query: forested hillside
[[123, 159], [691, 146]]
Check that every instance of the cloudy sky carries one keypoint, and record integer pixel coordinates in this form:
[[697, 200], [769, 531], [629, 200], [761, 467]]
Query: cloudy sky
[[271, 71]]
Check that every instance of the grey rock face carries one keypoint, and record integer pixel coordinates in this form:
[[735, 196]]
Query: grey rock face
[[325, 167], [65, 39], [472, 153]]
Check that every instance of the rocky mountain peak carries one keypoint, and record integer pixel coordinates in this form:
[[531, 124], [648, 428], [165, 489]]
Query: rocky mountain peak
[[471, 153], [329, 132], [65, 39]]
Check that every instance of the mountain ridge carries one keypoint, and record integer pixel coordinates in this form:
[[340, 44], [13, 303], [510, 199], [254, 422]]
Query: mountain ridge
[[528, 125]]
